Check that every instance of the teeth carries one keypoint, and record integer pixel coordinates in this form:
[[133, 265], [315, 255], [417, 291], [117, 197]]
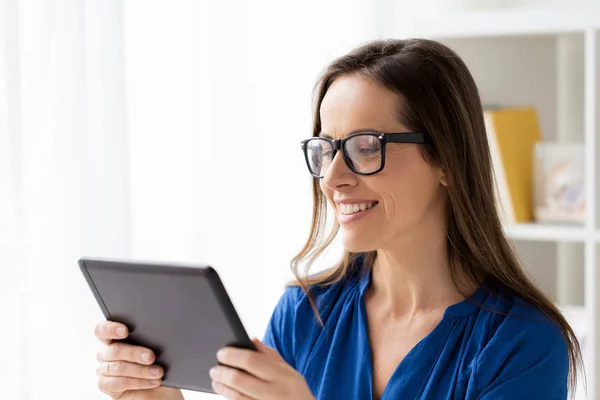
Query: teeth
[[347, 209]]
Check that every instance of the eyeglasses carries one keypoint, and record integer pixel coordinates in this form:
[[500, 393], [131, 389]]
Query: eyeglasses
[[364, 152]]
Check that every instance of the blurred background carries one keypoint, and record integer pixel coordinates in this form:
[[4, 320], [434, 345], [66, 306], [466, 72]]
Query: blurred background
[[169, 131]]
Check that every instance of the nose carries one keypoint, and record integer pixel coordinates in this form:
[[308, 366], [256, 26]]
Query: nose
[[338, 174]]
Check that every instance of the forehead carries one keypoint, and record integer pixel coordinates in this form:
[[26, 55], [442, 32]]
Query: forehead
[[356, 103]]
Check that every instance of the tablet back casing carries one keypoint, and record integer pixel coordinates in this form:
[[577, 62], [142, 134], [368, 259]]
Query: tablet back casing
[[182, 313]]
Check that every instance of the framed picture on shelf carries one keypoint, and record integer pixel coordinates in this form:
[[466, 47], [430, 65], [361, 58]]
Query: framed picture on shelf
[[559, 192]]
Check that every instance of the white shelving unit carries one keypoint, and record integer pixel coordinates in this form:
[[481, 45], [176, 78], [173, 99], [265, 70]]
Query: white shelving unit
[[548, 58], [545, 232], [506, 22]]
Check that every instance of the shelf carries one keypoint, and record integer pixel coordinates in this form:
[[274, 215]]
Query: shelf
[[577, 317], [505, 22], [545, 232]]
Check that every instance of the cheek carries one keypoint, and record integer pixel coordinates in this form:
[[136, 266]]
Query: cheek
[[328, 195], [325, 190], [323, 187], [409, 186]]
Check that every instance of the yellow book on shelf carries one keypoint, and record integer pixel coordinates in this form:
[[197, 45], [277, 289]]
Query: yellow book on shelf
[[512, 135]]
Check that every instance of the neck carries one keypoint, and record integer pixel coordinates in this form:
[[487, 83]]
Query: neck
[[413, 275]]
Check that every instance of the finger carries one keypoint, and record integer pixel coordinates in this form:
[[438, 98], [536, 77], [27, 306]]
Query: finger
[[131, 370], [108, 331], [263, 348], [120, 384], [127, 352], [228, 392], [253, 362], [237, 383]]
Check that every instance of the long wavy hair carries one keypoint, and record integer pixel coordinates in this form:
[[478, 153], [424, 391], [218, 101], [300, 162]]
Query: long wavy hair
[[437, 95]]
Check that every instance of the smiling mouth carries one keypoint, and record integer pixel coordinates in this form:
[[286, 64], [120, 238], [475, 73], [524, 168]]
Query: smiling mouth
[[349, 209]]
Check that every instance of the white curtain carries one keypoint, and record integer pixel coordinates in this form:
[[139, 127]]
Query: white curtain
[[161, 130], [63, 181]]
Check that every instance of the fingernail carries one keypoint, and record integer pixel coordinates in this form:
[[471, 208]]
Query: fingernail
[[154, 370], [121, 332], [220, 354], [213, 372], [146, 356]]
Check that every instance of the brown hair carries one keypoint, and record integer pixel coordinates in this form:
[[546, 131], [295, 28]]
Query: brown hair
[[437, 95]]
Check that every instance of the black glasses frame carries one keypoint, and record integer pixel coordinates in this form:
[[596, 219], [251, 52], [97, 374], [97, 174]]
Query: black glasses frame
[[406, 137]]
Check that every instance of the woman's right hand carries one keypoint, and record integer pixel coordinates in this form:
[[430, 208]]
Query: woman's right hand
[[126, 371]]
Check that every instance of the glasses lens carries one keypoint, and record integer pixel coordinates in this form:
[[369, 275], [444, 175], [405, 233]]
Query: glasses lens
[[364, 153], [320, 154]]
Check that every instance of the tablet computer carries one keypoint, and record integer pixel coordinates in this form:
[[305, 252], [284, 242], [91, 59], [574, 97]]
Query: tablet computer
[[182, 313]]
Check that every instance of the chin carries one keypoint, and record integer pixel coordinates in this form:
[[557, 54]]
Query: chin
[[356, 244]]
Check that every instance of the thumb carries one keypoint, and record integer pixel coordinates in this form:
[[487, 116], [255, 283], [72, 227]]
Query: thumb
[[263, 348]]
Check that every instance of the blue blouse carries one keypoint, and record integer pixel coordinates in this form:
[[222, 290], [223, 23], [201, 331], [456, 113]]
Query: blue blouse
[[473, 353]]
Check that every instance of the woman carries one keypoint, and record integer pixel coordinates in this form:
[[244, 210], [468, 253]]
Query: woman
[[429, 301]]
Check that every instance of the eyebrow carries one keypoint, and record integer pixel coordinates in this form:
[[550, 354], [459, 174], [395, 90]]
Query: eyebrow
[[325, 135]]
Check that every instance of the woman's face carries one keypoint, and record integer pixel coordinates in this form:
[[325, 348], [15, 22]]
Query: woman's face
[[406, 198]]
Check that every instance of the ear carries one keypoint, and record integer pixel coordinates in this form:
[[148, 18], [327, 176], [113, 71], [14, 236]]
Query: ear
[[443, 179]]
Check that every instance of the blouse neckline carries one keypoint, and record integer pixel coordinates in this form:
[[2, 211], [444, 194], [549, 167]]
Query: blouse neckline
[[462, 308]]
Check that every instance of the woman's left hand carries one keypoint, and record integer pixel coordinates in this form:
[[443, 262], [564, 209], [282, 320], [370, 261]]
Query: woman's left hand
[[265, 375]]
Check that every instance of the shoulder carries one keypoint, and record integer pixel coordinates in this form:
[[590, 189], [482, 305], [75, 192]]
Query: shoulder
[[296, 302], [329, 286], [293, 320], [520, 343], [511, 320]]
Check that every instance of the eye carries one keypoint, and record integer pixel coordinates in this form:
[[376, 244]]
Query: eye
[[368, 151], [363, 146]]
